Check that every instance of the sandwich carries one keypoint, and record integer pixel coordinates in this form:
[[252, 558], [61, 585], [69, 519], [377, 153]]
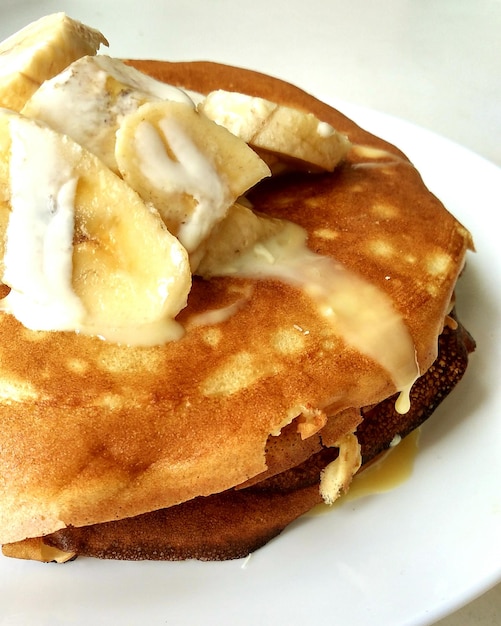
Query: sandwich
[[222, 299]]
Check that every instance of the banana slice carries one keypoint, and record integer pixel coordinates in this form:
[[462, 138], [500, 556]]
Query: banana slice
[[88, 100], [189, 168], [229, 240], [40, 51], [278, 133], [80, 250]]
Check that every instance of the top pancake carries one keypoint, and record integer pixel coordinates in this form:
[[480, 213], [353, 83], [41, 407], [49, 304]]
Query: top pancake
[[93, 431]]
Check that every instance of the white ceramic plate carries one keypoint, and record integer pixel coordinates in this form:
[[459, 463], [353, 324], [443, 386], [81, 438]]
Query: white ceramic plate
[[409, 556]]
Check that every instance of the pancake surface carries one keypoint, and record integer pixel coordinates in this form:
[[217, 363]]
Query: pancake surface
[[94, 432], [236, 522]]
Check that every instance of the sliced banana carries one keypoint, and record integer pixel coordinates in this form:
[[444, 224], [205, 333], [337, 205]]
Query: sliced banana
[[40, 51], [278, 133], [88, 100], [80, 250], [240, 230], [189, 168]]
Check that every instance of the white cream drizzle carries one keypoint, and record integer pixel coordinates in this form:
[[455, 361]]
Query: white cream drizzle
[[139, 81], [217, 316], [371, 153], [191, 174], [83, 103], [39, 237], [325, 130], [363, 314]]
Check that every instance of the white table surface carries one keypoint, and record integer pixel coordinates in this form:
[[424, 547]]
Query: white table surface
[[437, 64]]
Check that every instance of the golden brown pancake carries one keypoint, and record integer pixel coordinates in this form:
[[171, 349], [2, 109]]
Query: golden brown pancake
[[233, 524], [94, 432]]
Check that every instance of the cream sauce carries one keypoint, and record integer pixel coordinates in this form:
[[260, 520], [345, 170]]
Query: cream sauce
[[362, 313], [388, 471], [39, 237], [88, 100], [375, 157], [149, 334], [325, 130], [216, 316], [391, 469], [190, 173]]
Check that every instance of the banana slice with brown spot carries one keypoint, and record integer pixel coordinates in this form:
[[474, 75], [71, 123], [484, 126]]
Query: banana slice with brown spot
[[79, 249], [89, 99]]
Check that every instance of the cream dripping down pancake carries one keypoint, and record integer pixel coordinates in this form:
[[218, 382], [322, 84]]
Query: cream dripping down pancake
[[242, 299]]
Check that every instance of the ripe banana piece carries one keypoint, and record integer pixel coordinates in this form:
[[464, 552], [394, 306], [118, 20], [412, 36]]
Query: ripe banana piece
[[229, 240], [188, 167], [78, 247], [40, 51], [88, 100], [280, 134]]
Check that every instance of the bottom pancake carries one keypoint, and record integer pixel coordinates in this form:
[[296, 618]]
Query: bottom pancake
[[237, 522]]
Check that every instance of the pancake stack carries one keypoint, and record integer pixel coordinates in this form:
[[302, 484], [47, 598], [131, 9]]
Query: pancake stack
[[208, 446]]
